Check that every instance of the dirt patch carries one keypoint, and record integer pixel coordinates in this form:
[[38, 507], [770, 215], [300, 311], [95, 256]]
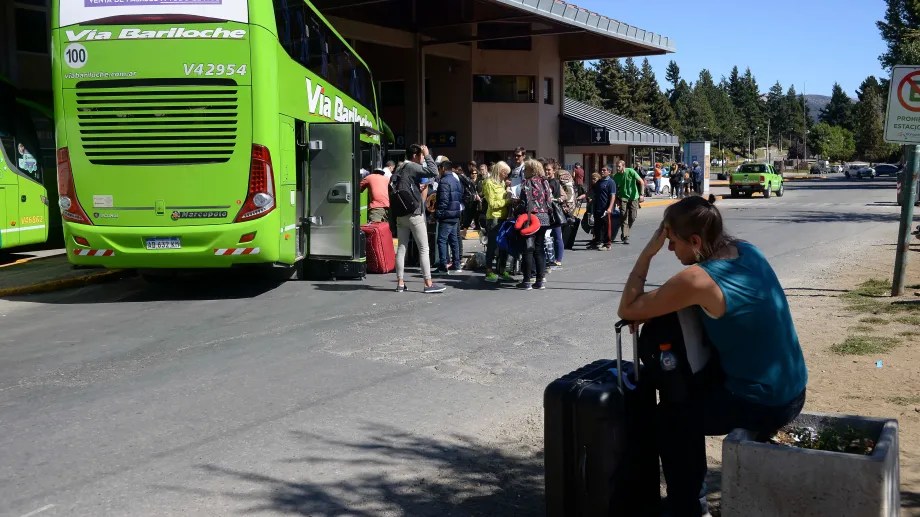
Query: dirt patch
[[862, 348]]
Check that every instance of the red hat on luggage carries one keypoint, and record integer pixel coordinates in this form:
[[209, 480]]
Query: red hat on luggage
[[527, 224]]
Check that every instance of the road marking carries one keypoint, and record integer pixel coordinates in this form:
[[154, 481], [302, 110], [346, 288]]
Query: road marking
[[40, 510]]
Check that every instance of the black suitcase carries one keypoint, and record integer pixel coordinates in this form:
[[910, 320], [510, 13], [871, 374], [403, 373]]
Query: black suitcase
[[569, 231], [600, 450]]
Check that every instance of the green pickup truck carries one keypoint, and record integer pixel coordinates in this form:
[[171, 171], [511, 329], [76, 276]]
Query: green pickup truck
[[756, 177]]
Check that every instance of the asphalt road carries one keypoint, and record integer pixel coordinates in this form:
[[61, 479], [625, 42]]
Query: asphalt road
[[225, 395]]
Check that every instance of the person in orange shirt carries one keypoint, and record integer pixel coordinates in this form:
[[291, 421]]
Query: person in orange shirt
[[379, 208], [657, 178]]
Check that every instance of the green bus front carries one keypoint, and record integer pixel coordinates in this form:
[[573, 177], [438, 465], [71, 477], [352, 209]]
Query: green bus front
[[177, 129], [23, 197]]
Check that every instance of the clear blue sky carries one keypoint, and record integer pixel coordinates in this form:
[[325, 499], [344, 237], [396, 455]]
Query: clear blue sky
[[815, 42]]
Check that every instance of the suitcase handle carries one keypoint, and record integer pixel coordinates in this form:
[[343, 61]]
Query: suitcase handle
[[619, 330]]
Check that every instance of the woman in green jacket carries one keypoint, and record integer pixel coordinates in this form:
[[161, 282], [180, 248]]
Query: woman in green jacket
[[497, 192]]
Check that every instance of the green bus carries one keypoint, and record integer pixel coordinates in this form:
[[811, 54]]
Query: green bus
[[24, 218], [210, 134]]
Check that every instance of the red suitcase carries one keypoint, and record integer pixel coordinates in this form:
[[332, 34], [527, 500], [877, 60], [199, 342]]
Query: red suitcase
[[381, 257]]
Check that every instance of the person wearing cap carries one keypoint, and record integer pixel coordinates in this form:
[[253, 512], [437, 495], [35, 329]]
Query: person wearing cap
[[603, 195], [379, 207], [536, 199]]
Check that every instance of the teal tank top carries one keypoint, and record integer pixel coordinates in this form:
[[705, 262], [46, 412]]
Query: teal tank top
[[756, 338]]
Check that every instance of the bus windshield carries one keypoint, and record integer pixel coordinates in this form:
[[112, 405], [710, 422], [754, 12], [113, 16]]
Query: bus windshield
[[77, 12], [18, 136]]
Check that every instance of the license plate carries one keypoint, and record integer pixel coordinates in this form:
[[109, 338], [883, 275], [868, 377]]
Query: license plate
[[164, 243]]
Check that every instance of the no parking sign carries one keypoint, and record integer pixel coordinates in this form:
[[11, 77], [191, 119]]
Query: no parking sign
[[902, 123]]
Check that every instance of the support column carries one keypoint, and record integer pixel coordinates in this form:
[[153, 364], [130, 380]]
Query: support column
[[415, 94]]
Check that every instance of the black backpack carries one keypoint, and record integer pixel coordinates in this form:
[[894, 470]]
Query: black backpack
[[404, 197]]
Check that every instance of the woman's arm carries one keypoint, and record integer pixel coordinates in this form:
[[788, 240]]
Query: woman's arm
[[692, 286]]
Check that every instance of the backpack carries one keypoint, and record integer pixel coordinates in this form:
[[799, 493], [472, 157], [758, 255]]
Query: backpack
[[403, 197]]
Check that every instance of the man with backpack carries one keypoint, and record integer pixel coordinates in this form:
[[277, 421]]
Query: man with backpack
[[407, 206]]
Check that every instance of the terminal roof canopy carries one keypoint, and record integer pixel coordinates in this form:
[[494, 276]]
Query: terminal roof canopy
[[581, 121], [582, 34]]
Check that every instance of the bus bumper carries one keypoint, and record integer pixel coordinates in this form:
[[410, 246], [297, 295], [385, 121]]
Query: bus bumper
[[208, 246]]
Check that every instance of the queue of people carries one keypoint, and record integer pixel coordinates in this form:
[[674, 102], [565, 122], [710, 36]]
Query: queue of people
[[535, 196]]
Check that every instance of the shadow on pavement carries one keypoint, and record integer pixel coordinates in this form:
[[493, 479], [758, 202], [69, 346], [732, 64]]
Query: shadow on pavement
[[394, 472], [910, 500], [815, 216], [842, 184]]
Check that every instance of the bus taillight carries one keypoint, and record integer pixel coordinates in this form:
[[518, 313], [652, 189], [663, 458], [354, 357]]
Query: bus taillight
[[260, 199], [67, 193]]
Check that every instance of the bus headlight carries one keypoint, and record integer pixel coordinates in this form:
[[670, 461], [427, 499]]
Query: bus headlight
[[65, 203]]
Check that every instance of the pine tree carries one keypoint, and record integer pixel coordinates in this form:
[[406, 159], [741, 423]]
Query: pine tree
[[650, 94], [633, 77], [580, 83], [839, 111], [868, 121], [611, 85], [777, 112], [672, 75], [661, 115], [798, 118], [901, 31], [693, 112]]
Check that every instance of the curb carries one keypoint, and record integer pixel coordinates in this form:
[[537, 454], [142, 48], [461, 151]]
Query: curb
[[65, 283]]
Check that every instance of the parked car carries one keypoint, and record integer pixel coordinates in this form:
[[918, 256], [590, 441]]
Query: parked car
[[887, 169], [859, 171], [756, 177], [900, 196], [837, 168]]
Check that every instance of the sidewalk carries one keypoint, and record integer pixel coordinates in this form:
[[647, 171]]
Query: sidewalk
[[47, 272]]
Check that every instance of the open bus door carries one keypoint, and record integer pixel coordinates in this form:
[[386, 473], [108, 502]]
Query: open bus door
[[330, 230]]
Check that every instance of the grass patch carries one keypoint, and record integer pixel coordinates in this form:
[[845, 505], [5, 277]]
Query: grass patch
[[908, 319], [908, 333], [862, 328], [874, 320], [874, 297], [873, 288], [904, 401], [865, 345]]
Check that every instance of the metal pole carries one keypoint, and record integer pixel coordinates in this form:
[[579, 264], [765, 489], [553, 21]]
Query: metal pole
[[908, 193], [769, 154], [804, 126]]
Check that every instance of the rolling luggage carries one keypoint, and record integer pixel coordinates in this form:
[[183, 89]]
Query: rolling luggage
[[381, 257], [569, 232], [599, 440]]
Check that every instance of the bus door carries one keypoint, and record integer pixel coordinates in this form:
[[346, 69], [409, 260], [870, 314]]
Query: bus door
[[332, 186]]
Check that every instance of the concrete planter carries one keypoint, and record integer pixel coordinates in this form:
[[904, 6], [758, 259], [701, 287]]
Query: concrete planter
[[768, 480]]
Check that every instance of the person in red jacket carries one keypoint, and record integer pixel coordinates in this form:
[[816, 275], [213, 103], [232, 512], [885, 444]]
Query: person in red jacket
[[379, 207]]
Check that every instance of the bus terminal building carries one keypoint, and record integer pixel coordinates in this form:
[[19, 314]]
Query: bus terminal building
[[473, 79]]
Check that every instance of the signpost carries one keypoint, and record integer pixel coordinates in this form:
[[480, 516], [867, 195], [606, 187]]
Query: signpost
[[902, 126], [600, 136]]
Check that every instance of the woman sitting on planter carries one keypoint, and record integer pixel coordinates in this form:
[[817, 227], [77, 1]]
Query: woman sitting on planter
[[745, 315]]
